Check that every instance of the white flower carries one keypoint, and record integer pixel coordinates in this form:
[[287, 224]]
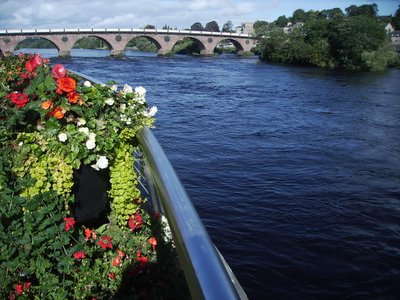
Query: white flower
[[62, 137], [129, 121], [122, 107], [84, 130], [153, 110], [87, 83], [141, 91], [40, 127], [102, 163], [127, 89], [92, 136], [20, 144], [81, 122], [90, 144], [109, 101], [114, 87]]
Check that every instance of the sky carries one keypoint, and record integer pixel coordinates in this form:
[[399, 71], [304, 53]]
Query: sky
[[21, 14]]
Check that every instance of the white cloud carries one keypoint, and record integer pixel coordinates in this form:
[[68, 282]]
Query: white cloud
[[176, 13]]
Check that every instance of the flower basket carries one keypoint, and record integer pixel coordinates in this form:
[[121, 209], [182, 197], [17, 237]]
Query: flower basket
[[74, 224]]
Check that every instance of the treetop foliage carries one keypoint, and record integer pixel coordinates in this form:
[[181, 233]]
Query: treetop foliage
[[353, 40]]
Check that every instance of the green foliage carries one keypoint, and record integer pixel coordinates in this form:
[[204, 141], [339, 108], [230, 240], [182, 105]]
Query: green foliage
[[212, 26], [91, 42], [126, 196], [197, 26], [227, 27], [46, 133], [37, 43], [142, 44], [331, 39]]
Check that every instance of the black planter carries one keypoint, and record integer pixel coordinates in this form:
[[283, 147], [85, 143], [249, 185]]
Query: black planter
[[92, 203]]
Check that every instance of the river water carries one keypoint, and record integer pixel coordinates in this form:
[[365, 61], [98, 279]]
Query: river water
[[294, 171]]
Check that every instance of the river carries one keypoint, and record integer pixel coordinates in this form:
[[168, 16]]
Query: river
[[294, 171]]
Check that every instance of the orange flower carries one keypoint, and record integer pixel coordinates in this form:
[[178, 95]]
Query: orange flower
[[153, 242], [65, 84], [47, 104], [58, 113], [73, 97]]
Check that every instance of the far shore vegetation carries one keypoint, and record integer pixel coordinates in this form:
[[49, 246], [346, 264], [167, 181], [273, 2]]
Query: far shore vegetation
[[355, 39]]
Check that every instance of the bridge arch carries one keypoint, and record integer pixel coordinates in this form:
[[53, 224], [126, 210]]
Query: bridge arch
[[109, 46], [36, 38], [149, 38], [200, 44]]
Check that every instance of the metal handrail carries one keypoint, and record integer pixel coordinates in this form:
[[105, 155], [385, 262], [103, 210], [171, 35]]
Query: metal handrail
[[206, 274]]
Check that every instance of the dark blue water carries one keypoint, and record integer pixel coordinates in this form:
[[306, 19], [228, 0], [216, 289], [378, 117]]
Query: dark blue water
[[294, 171]]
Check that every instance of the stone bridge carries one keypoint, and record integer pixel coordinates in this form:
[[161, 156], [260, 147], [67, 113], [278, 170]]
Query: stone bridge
[[117, 39]]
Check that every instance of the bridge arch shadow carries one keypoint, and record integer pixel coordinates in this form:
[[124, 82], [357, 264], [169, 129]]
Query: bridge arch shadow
[[35, 43], [229, 46], [188, 45], [92, 42], [143, 43]]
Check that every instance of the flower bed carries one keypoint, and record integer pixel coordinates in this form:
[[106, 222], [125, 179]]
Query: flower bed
[[56, 243]]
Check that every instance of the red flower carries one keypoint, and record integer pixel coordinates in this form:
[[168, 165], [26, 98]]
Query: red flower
[[27, 285], [65, 84], [111, 275], [33, 63], [136, 222], [19, 289], [69, 223], [116, 261], [58, 71], [143, 260], [153, 243], [79, 255], [73, 97], [18, 99], [89, 233], [105, 242]]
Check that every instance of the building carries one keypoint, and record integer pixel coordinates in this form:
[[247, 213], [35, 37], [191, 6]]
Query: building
[[246, 28]]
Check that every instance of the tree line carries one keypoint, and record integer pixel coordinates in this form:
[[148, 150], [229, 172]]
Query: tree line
[[355, 39]]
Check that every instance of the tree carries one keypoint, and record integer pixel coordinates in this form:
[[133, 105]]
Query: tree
[[396, 19], [353, 36], [369, 10], [149, 27], [261, 28], [197, 27], [299, 15], [167, 27], [212, 26], [228, 27], [281, 21], [330, 14]]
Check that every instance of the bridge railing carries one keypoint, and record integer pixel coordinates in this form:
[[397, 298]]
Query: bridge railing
[[117, 30], [207, 274]]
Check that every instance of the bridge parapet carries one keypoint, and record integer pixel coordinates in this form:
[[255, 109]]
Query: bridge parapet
[[117, 38]]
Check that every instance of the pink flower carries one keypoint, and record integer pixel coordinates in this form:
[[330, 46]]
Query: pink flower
[[33, 63], [69, 223], [58, 71], [79, 255]]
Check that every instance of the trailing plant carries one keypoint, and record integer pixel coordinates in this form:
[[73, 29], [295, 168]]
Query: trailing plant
[[53, 123]]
